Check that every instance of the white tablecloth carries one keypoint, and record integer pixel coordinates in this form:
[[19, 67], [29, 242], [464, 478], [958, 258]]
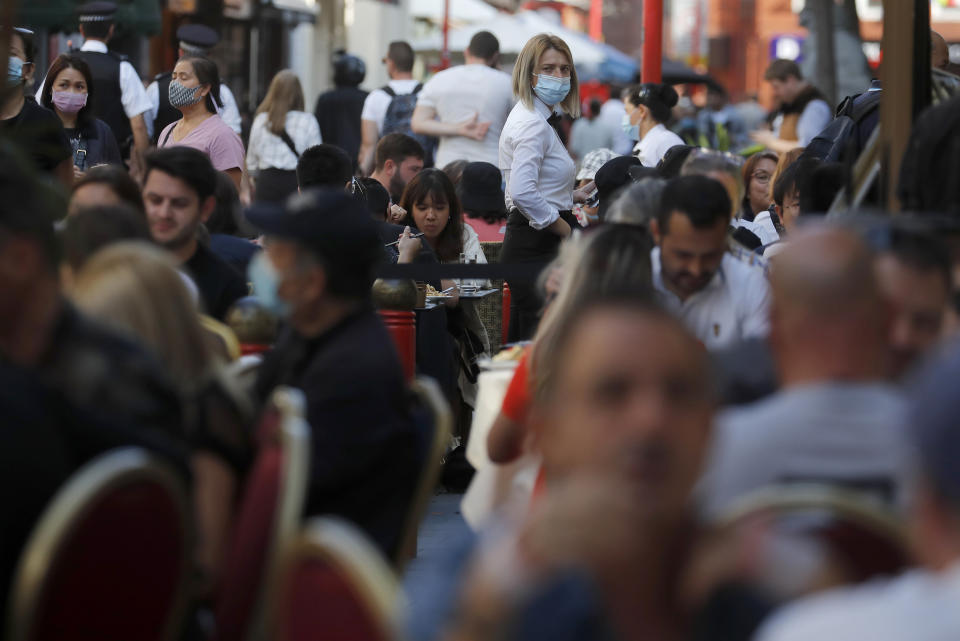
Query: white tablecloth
[[493, 485]]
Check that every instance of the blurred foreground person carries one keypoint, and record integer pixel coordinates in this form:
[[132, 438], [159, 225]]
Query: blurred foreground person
[[920, 605], [135, 288], [622, 421], [316, 271], [913, 272], [835, 420]]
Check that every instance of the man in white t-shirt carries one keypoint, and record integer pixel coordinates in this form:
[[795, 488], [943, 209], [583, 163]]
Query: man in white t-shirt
[[721, 298], [399, 61], [466, 106]]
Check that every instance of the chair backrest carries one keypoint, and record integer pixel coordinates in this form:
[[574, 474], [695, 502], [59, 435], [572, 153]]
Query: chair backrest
[[333, 584], [436, 423], [858, 530], [269, 516], [110, 556]]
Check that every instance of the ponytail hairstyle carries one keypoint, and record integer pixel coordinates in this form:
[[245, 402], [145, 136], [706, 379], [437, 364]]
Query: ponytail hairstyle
[[659, 99]]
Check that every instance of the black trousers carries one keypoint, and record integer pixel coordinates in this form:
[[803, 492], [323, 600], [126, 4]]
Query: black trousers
[[274, 185], [524, 244]]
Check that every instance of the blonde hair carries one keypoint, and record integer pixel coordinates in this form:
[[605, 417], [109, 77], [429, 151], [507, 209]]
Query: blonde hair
[[526, 67], [284, 95], [135, 288]]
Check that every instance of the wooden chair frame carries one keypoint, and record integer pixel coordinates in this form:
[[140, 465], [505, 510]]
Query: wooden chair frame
[[66, 510], [294, 435], [339, 543], [800, 496], [429, 394]]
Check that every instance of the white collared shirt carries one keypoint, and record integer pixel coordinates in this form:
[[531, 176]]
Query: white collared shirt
[[655, 144], [537, 168], [132, 94], [920, 606], [456, 94], [268, 151], [732, 307]]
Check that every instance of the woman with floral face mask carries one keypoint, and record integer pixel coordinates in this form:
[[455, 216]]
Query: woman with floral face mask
[[537, 169], [69, 94], [195, 92]]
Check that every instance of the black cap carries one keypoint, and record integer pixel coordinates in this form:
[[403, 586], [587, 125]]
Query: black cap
[[481, 188], [614, 174], [100, 11], [197, 38], [328, 222]]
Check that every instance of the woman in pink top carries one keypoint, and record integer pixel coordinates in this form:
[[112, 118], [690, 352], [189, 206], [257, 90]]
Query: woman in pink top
[[195, 92]]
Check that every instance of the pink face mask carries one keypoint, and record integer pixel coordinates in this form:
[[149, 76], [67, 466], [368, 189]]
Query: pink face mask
[[69, 102]]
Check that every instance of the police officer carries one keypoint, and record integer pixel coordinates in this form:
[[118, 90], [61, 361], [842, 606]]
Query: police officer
[[195, 40], [120, 98]]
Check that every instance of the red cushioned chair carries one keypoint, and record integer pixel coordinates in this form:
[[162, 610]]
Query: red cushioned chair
[[269, 516], [333, 585], [433, 412], [861, 538], [109, 558]]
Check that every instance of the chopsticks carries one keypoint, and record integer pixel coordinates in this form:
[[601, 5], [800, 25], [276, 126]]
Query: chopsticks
[[397, 241]]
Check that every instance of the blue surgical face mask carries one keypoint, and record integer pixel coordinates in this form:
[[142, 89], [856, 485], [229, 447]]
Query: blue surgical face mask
[[551, 89], [632, 130], [266, 283], [14, 71]]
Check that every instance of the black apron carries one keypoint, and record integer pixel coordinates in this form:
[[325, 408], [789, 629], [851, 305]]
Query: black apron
[[524, 244]]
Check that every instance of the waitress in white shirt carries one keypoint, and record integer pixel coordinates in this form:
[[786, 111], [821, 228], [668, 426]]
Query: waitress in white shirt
[[537, 169], [648, 108]]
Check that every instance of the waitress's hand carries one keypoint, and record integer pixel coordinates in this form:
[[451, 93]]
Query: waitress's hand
[[397, 213], [77, 174], [585, 193], [560, 228]]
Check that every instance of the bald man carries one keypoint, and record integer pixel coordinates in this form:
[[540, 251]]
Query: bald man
[[834, 421], [939, 52]]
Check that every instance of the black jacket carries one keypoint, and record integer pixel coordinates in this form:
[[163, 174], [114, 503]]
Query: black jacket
[[365, 445]]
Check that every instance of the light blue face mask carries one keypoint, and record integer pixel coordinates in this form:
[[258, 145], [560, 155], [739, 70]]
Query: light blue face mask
[[551, 89], [266, 282], [14, 71], [632, 131]]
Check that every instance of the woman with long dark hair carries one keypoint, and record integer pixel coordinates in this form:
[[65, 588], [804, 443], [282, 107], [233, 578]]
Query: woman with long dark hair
[[195, 92], [68, 92]]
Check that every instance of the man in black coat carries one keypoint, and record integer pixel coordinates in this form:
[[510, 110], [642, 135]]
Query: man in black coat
[[317, 269], [338, 110]]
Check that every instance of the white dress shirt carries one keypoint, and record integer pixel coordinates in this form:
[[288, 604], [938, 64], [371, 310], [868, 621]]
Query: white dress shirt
[[733, 306], [378, 100], [456, 94], [267, 150], [918, 606], [537, 169], [655, 144], [132, 94], [229, 112]]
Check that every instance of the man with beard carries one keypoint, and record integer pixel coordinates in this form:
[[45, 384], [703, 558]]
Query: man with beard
[[178, 194], [720, 298], [398, 159]]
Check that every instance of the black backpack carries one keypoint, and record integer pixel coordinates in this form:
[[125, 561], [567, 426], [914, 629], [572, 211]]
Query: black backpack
[[847, 135], [398, 116]]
